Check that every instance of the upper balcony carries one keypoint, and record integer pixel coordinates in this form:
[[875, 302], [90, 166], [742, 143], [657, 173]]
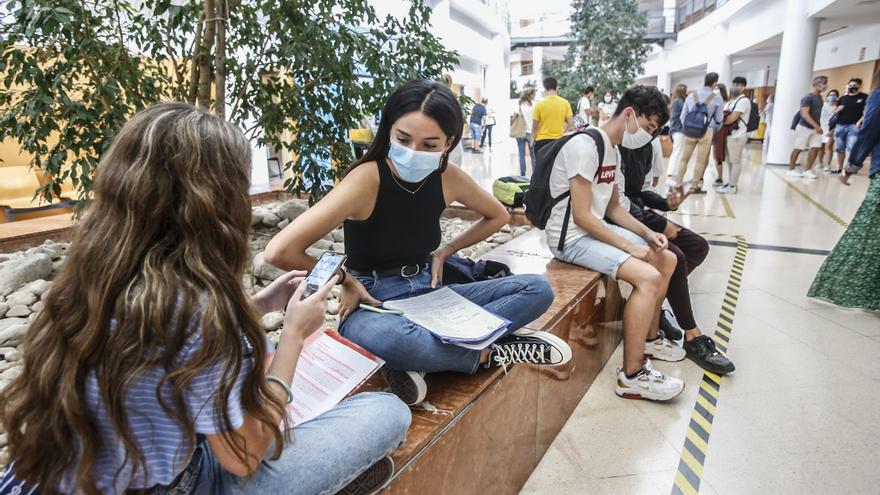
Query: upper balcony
[[691, 11]]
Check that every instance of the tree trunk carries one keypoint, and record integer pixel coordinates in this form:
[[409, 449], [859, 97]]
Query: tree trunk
[[205, 71], [219, 59], [194, 62]]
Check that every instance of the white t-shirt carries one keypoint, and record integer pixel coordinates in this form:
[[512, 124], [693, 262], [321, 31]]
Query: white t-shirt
[[740, 104], [527, 109], [583, 107], [608, 109], [825, 118], [579, 156]]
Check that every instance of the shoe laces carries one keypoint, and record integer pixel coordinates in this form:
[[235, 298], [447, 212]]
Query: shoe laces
[[520, 352], [706, 342]]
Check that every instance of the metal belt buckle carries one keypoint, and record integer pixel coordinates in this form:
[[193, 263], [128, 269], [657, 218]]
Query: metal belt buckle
[[409, 271]]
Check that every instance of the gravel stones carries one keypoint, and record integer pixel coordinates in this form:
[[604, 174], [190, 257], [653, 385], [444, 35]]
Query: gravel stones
[[24, 269], [264, 270]]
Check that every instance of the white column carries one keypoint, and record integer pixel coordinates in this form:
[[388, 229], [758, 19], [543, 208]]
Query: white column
[[796, 58], [719, 60], [537, 63], [664, 77]]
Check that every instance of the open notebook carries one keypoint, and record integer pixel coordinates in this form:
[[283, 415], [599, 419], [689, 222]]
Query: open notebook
[[452, 318]]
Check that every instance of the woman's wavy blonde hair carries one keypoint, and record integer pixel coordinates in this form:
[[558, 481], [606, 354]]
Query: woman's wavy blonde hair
[[164, 243]]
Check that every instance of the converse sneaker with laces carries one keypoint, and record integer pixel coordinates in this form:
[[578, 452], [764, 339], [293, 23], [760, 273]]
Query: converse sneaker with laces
[[529, 347], [664, 350], [408, 386], [702, 351], [809, 174], [371, 481], [793, 173], [649, 384]]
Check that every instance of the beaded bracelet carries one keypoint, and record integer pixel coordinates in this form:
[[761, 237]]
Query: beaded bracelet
[[286, 387]]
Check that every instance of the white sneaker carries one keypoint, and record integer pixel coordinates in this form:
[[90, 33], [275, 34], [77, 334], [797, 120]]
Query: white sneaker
[[809, 175], [648, 384], [728, 189], [826, 168], [664, 350], [408, 386], [793, 173]]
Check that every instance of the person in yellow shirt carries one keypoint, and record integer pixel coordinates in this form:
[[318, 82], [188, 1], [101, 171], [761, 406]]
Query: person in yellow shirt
[[552, 116]]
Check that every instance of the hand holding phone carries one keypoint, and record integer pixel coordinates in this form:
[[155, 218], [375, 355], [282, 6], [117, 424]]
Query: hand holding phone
[[328, 265]]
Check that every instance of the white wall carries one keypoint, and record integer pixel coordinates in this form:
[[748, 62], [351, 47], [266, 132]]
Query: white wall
[[844, 47]]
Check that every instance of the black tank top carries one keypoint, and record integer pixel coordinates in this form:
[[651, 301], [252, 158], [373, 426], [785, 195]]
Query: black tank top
[[404, 228]]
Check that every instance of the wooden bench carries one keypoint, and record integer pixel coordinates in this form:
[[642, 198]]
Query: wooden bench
[[18, 183], [485, 433]]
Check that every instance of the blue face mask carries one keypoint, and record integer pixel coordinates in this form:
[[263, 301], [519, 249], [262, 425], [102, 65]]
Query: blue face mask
[[412, 165]]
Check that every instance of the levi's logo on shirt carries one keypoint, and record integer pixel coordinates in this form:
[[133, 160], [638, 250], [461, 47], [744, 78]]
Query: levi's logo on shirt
[[606, 174]]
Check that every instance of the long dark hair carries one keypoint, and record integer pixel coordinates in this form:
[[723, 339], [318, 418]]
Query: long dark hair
[[433, 99], [164, 243]]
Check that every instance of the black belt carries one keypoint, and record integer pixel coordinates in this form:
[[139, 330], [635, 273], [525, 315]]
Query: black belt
[[405, 271]]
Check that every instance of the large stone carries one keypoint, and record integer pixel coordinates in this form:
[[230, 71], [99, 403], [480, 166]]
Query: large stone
[[7, 365], [265, 271], [19, 271], [23, 297], [333, 307], [339, 247], [338, 235], [272, 321], [10, 354], [502, 238], [315, 252], [19, 311], [257, 215], [47, 250], [292, 209], [37, 287], [12, 335], [323, 244], [3, 309], [37, 306], [271, 219], [283, 223]]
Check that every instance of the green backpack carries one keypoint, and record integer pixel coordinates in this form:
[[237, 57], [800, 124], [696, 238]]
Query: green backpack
[[511, 189]]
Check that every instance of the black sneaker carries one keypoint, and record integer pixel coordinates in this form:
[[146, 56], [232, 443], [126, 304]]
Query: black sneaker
[[371, 481], [408, 386], [670, 330], [529, 347], [702, 351]]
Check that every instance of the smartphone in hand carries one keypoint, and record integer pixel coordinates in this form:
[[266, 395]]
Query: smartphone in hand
[[328, 265]]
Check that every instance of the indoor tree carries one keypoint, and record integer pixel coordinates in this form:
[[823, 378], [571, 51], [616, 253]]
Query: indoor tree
[[74, 70]]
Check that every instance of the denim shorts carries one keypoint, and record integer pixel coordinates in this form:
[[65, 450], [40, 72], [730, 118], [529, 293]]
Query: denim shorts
[[597, 255], [845, 136]]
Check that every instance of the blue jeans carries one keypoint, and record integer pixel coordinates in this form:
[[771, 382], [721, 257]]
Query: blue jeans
[[845, 137], [407, 346], [324, 454], [476, 134], [521, 145]]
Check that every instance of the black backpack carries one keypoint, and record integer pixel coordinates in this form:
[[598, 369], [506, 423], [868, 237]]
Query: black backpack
[[539, 202], [754, 118]]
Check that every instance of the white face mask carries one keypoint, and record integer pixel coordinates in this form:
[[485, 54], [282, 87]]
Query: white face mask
[[636, 139], [607, 99], [412, 165]]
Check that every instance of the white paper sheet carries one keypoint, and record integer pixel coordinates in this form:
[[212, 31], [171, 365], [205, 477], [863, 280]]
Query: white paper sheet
[[449, 316], [329, 368]]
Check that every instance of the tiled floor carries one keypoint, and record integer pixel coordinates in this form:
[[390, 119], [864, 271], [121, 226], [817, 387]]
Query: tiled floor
[[800, 414]]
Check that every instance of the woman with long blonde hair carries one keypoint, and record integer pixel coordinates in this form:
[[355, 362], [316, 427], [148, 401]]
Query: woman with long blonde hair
[[148, 369]]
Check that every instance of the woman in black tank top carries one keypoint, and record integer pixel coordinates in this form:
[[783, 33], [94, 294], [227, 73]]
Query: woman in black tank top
[[390, 203]]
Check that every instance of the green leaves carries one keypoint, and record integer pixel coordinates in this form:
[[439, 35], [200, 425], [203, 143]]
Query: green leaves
[[299, 74], [609, 51]]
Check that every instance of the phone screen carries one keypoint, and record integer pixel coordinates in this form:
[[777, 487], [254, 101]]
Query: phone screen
[[327, 266]]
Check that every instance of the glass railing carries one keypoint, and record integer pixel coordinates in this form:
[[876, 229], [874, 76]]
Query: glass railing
[[694, 10]]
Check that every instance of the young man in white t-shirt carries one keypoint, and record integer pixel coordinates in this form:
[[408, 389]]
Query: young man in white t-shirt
[[739, 108], [626, 250]]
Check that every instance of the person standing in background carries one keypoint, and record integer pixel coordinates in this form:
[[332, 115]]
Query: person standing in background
[[678, 97], [738, 110], [488, 124], [702, 144], [552, 117], [526, 107], [606, 108], [850, 275], [808, 131], [478, 112], [585, 110], [829, 109], [721, 91], [849, 114]]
